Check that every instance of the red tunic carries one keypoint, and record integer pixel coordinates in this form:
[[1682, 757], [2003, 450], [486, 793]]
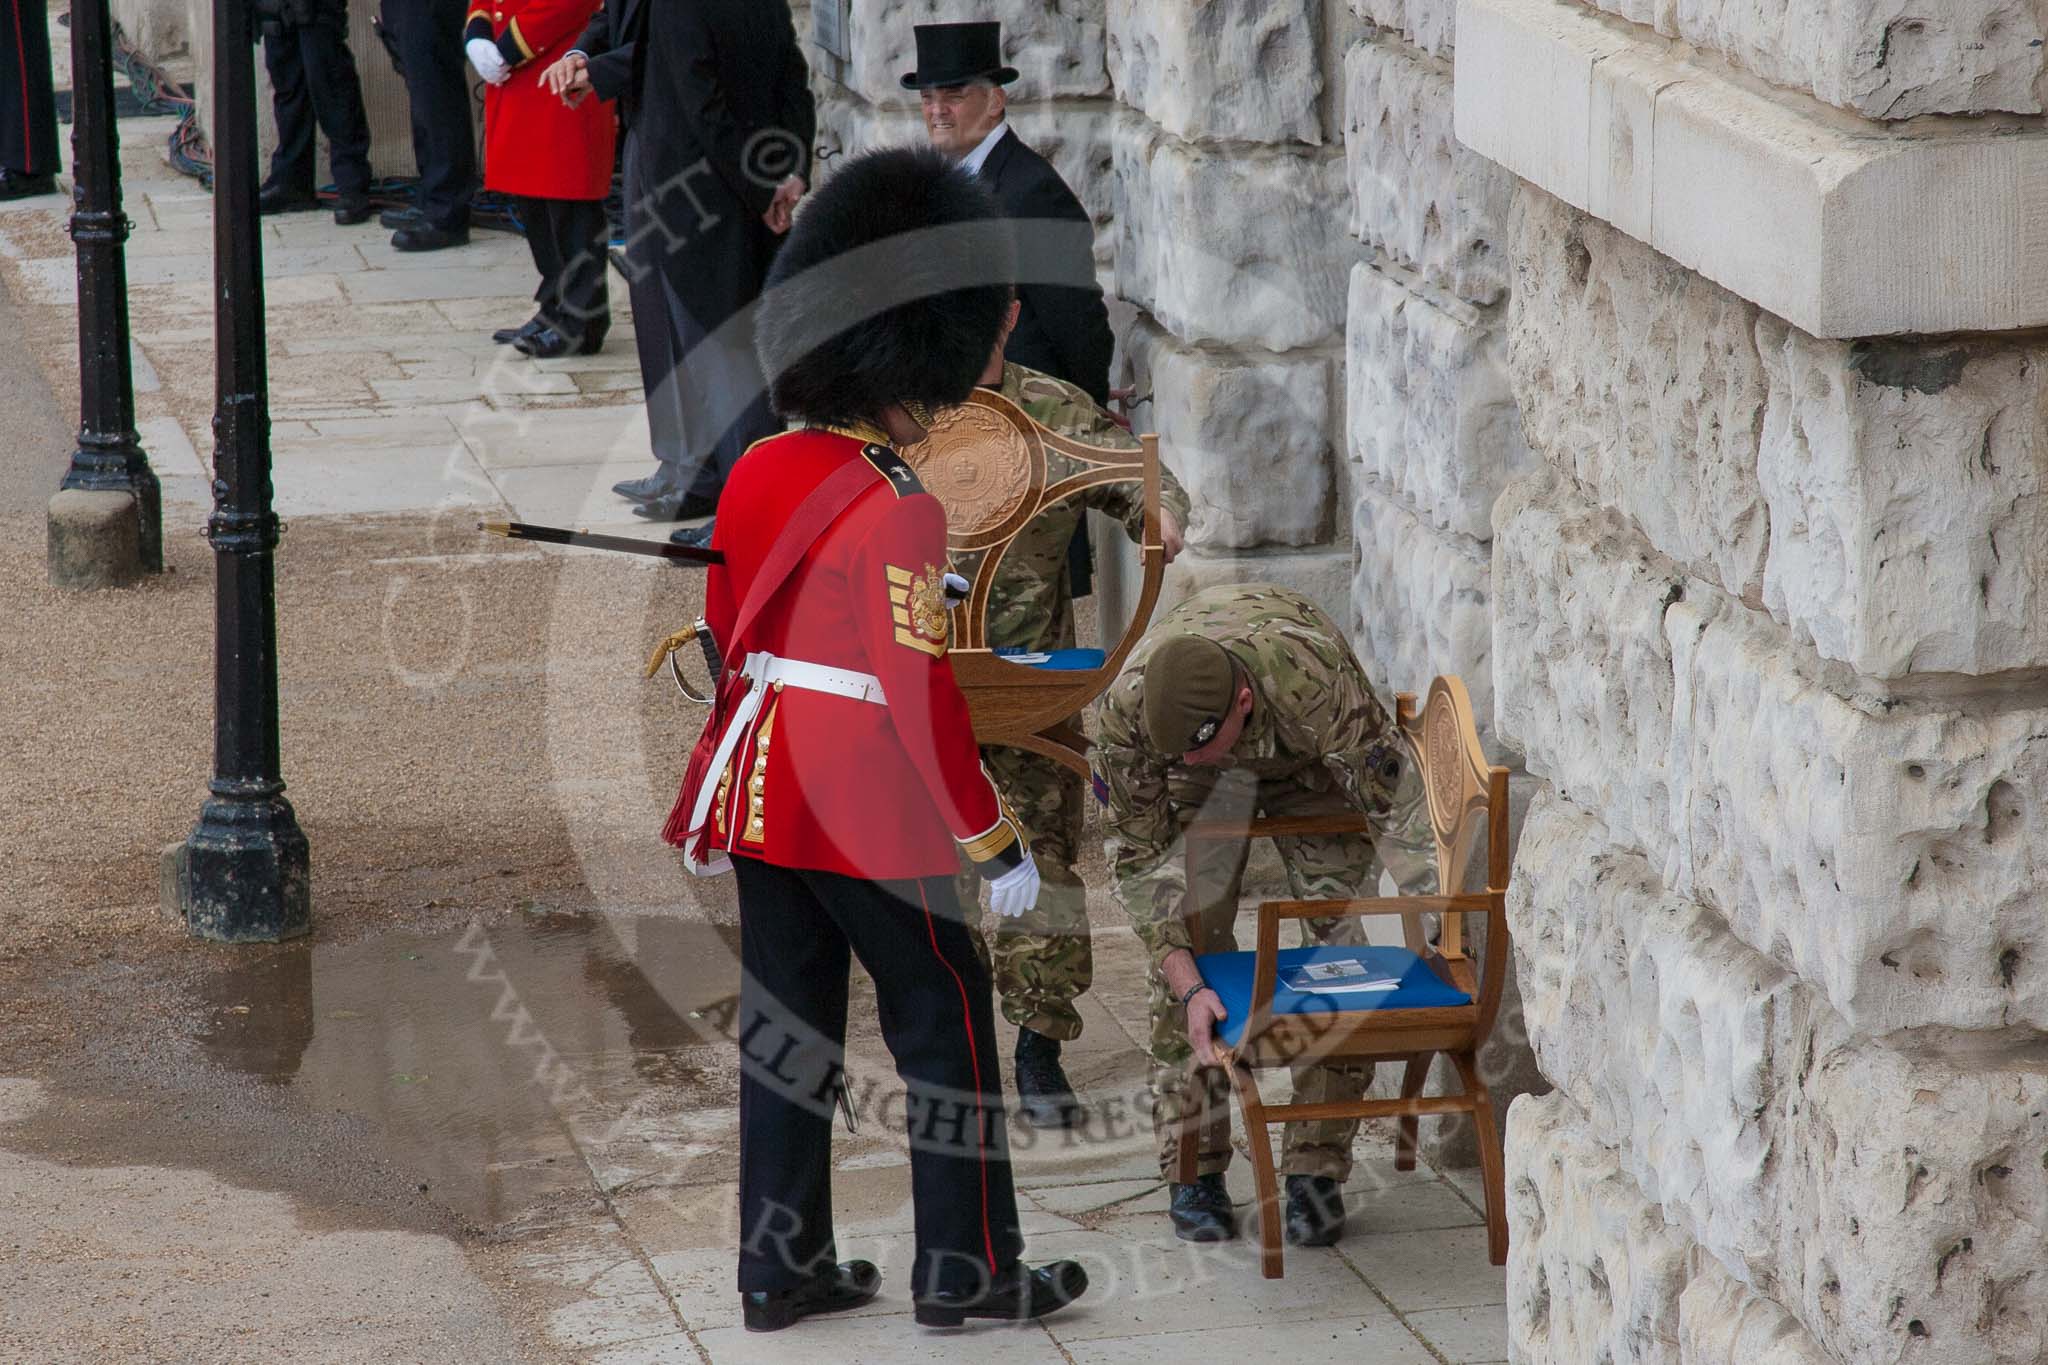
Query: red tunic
[[535, 145], [877, 791]]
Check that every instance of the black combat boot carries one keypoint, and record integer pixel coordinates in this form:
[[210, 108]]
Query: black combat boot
[[1201, 1212], [1042, 1090], [1315, 1210]]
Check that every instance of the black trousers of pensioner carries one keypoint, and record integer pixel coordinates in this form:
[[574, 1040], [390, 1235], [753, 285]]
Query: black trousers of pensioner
[[569, 239], [932, 992]]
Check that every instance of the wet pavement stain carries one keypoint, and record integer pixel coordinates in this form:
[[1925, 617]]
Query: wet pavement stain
[[492, 1062]]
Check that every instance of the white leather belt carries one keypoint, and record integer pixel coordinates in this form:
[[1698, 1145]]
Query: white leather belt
[[766, 671], [770, 671]]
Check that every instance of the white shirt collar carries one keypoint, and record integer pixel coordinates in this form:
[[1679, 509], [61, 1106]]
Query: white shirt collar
[[977, 158]]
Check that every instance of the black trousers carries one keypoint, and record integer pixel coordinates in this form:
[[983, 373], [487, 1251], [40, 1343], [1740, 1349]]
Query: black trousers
[[429, 38], [313, 80], [797, 930], [28, 108], [568, 239]]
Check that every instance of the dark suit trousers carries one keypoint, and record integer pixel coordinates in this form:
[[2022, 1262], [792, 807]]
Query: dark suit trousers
[[429, 37], [569, 239], [797, 930], [28, 108], [313, 80], [650, 310]]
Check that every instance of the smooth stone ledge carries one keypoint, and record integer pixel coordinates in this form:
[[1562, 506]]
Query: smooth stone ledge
[[1827, 221]]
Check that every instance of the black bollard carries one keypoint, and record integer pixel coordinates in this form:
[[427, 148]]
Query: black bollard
[[243, 875], [109, 458]]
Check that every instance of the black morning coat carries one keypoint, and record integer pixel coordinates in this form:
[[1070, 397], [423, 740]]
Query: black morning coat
[[1062, 331], [719, 99]]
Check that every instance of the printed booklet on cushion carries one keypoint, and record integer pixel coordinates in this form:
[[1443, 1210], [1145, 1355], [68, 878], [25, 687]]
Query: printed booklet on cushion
[[1338, 977]]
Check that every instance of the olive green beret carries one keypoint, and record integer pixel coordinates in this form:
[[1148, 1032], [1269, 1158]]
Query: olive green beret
[[1189, 681]]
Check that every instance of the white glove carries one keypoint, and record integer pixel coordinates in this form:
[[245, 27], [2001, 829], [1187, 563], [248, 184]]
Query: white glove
[[488, 61], [956, 590], [1016, 891]]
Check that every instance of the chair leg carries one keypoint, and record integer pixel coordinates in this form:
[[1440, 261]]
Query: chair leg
[[1492, 1166], [1407, 1129], [1194, 1116], [1259, 1139]]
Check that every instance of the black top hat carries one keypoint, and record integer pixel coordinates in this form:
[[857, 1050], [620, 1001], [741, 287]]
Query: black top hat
[[954, 54]]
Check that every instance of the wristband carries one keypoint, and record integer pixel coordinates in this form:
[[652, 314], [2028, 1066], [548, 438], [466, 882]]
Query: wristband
[[1192, 992]]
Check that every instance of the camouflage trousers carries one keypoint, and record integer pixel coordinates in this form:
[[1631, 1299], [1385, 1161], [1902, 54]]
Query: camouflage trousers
[[1041, 960], [1318, 867]]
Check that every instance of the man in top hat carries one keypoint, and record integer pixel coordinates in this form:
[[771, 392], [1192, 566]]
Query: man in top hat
[[839, 775], [1063, 327]]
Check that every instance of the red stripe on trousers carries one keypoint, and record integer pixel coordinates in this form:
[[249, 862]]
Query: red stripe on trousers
[[974, 1057], [28, 148]]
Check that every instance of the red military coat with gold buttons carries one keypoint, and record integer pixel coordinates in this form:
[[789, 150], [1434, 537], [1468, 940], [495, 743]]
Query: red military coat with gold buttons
[[881, 791], [535, 145]]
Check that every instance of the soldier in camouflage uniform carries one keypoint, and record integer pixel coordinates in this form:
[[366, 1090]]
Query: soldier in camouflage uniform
[[1244, 698], [1041, 959]]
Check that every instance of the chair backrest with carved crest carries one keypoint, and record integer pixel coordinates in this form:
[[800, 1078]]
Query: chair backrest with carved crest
[[996, 470], [1459, 787]]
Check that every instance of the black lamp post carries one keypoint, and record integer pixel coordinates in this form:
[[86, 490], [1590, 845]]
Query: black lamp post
[[243, 875], [109, 458]]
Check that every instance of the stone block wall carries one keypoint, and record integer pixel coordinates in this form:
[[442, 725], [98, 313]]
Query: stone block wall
[[1308, 277], [1764, 629]]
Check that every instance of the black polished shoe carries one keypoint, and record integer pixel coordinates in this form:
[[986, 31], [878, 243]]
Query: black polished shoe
[[676, 507], [664, 482], [549, 343], [506, 336], [275, 198], [1043, 1094], [1017, 1294], [15, 185], [846, 1285], [424, 236], [399, 217], [1201, 1212], [1315, 1210], [693, 537], [351, 209]]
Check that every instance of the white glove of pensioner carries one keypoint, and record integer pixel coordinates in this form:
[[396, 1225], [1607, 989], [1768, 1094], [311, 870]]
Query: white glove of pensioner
[[488, 61]]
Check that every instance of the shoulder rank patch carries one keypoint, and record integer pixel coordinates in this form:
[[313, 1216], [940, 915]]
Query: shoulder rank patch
[[917, 603], [891, 466]]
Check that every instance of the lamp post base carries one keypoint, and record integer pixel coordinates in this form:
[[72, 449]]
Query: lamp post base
[[245, 874]]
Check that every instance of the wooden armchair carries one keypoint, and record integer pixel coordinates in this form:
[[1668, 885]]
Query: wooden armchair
[[1442, 1005], [995, 470]]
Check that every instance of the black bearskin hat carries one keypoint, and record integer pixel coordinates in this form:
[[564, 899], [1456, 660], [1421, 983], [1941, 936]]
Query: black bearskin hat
[[892, 286]]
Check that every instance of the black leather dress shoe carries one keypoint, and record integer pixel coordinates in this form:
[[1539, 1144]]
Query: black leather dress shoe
[[1201, 1212], [662, 483], [15, 185], [694, 537], [351, 209], [1043, 1094], [1315, 1210], [676, 507], [847, 1285], [275, 198], [408, 216], [547, 343], [505, 336], [424, 236], [1017, 1294]]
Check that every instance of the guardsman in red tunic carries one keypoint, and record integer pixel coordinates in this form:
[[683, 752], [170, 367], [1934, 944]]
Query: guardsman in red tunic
[[555, 160], [28, 109], [839, 774]]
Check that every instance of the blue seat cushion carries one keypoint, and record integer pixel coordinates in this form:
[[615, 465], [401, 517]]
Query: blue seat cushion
[[1057, 660], [1230, 976]]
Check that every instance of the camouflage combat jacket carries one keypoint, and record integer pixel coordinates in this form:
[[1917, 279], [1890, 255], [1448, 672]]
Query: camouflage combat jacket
[[1031, 605], [1316, 724]]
